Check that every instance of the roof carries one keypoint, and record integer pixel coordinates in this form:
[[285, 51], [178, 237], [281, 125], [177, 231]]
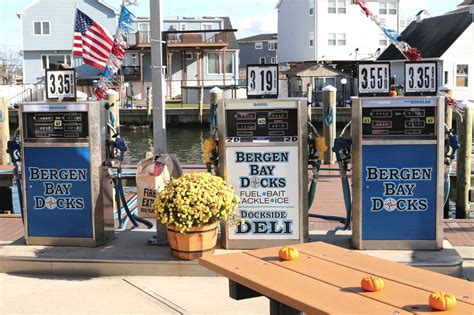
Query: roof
[[294, 71], [258, 38], [466, 2], [429, 37], [231, 35], [102, 2]]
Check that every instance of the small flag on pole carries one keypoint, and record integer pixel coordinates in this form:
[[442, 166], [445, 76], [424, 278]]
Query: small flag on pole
[[91, 41]]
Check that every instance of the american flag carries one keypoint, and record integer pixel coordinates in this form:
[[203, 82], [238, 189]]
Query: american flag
[[91, 41]]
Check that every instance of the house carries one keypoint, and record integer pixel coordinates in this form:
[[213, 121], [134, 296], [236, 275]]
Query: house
[[258, 49], [447, 39], [319, 76], [47, 32], [332, 30], [200, 52]]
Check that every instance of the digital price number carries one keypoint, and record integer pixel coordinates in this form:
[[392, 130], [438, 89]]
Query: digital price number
[[420, 78], [61, 84], [262, 81], [374, 79]]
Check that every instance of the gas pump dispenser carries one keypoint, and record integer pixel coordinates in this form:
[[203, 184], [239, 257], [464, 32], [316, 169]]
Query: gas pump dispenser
[[264, 156], [398, 154], [67, 191]]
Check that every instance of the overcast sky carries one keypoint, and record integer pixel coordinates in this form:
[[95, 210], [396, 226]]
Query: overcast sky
[[248, 16]]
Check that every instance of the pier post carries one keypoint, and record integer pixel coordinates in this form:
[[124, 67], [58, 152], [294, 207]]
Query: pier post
[[463, 177], [448, 110], [329, 122], [113, 98], [4, 131]]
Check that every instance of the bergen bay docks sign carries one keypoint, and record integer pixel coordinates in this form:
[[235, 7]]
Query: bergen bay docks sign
[[266, 181]]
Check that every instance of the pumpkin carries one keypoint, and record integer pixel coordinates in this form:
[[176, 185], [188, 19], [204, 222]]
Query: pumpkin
[[442, 301], [372, 284], [393, 93], [288, 253]]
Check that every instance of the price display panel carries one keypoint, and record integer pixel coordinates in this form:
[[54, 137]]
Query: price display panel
[[262, 81], [71, 125], [421, 78], [374, 79], [405, 121], [61, 84], [266, 125]]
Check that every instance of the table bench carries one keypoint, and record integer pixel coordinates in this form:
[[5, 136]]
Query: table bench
[[325, 279]]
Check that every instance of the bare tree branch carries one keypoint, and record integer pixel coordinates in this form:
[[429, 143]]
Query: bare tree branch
[[10, 66]]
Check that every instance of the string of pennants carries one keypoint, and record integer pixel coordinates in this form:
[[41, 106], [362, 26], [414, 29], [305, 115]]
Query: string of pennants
[[117, 53], [411, 53]]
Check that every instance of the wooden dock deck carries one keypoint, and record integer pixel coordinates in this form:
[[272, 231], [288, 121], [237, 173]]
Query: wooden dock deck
[[328, 201]]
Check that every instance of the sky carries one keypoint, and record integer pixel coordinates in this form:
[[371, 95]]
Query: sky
[[250, 17]]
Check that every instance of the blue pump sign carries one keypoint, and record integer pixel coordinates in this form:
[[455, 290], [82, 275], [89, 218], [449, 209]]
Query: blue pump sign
[[58, 190], [399, 192]]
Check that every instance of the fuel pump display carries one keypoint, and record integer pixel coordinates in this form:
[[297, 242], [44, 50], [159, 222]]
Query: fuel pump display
[[264, 157], [67, 191], [398, 155]]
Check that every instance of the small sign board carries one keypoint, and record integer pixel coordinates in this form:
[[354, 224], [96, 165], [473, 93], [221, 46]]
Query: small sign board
[[61, 85], [421, 78], [374, 78], [262, 81]]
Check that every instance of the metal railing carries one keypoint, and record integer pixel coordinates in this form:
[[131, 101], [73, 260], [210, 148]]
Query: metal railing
[[143, 38]]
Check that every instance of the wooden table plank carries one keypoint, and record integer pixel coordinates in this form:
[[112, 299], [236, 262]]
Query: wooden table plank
[[395, 293], [293, 289], [415, 277]]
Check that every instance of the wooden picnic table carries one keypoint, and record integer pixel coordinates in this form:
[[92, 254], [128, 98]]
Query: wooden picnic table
[[325, 279]]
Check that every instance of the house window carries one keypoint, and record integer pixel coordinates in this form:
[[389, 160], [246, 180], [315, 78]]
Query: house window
[[392, 8], [311, 7], [41, 28], [258, 45], [462, 74], [229, 63], [213, 63], [383, 40], [189, 56], [446, 75], [311, 39], [332, 39], [206, 26], [262, 60], [272, 45], [131, 60], [332, 6], [272, 60], [341, 39], [341, 6], [48, 60], [144, 33], [321, 82], [383, 8]]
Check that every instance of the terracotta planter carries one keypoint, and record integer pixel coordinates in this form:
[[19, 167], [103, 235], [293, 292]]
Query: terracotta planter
[[196, 243]]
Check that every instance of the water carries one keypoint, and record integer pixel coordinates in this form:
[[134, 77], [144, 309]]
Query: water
[[185, 142]]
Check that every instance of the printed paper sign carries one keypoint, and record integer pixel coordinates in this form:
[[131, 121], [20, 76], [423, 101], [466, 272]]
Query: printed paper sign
[[266, 181]]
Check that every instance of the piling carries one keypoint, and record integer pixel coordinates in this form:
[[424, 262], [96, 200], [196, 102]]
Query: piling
[[4, 131], [113, 98], [463, 176], [329, 122], [448, 91]]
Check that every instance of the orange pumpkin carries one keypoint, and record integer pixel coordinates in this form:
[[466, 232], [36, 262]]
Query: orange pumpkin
[[288, 253], [393, 93], [442, 301], [372, 284]]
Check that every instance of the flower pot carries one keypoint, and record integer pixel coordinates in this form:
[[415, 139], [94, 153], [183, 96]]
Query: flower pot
[[198, 242]]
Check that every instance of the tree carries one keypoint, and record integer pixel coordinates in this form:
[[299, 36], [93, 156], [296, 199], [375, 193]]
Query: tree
[[10, 66]]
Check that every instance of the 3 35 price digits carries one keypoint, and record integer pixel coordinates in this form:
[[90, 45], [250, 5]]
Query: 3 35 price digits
[[421, 77]]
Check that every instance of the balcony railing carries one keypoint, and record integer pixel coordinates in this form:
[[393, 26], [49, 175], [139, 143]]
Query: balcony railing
[[130, 72], [142, 39]]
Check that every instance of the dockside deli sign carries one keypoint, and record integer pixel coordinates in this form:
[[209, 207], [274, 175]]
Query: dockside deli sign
[[266, 181]]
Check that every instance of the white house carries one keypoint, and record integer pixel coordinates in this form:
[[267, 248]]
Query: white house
[[448, 39], [332, 30], [47, 28]]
